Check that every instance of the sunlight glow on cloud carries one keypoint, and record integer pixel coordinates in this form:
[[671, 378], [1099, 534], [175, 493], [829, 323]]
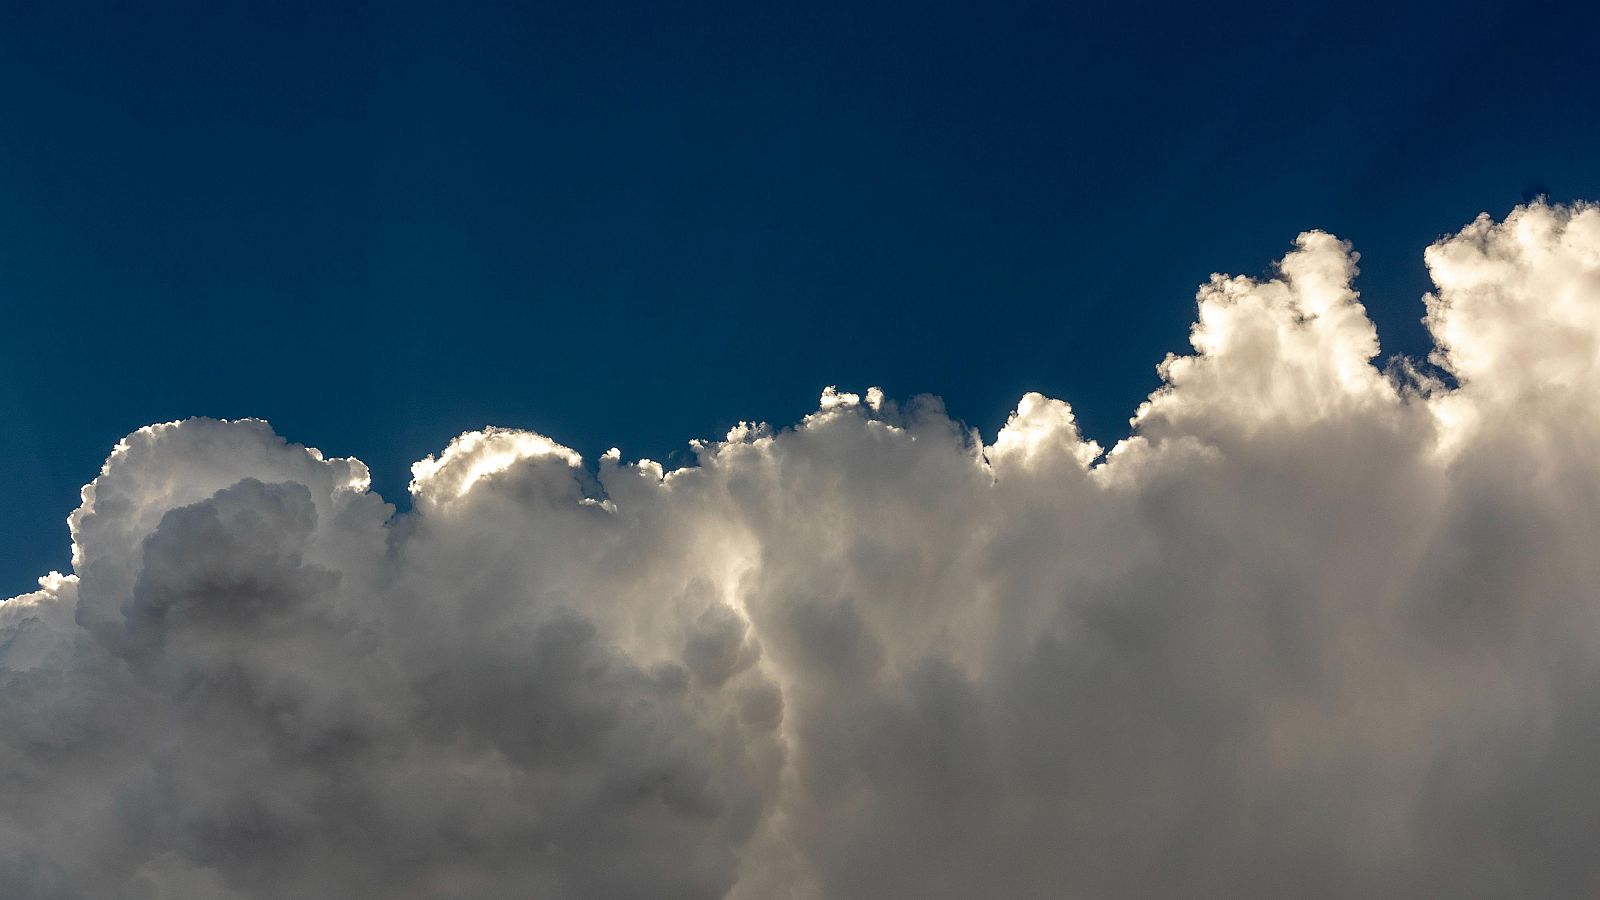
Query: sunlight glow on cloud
[[475, 456], [1314, 629]]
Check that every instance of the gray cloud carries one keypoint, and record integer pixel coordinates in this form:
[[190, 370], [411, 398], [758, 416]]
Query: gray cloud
[[1315, 629]]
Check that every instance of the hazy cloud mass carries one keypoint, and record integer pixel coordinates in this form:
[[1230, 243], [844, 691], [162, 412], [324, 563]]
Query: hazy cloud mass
[[1316, 629]]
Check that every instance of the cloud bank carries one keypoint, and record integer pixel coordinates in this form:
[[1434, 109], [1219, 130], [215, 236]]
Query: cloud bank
[[1316, 629]]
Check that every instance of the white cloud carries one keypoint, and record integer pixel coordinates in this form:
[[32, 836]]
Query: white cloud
[[1313, 630]]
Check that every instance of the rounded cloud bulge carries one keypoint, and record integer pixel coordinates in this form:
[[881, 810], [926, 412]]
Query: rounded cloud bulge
[[1316, 628]]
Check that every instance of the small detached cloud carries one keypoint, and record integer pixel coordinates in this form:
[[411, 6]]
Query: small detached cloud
[[1315, 629]]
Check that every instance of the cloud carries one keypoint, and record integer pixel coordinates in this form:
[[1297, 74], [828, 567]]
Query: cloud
[[1315, 629]]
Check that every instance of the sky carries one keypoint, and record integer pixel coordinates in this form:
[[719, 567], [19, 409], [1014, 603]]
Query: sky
[[1062, 453], [380, 225]]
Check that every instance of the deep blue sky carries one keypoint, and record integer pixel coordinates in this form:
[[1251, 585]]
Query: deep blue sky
[[380, 225]]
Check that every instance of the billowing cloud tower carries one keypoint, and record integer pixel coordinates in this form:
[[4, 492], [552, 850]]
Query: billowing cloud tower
[[1316, 629]]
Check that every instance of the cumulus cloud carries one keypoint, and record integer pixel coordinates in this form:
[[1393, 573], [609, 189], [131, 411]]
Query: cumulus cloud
[[1315, 629]]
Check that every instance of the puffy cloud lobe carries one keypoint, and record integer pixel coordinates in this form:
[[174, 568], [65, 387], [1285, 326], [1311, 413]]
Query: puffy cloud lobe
[[1315, 629]]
